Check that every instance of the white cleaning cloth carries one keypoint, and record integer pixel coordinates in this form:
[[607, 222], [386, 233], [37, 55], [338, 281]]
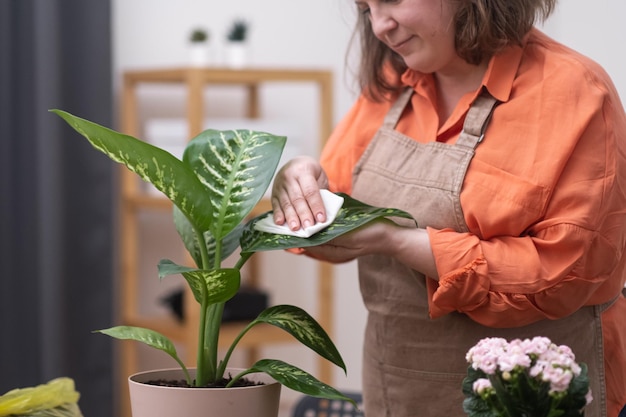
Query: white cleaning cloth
[[332, 203]]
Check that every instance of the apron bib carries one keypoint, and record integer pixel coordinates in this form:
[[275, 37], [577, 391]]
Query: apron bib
[[413, 365]]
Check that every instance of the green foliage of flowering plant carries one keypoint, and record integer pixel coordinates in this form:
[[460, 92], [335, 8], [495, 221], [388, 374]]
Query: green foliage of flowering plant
[[220, 179], [524, 378]]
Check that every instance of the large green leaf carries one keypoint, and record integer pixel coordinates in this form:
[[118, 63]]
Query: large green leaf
[[353, 214], [230, 243], [188, 235], [219, 285], [304, 328], [167, 173], [297, 379], [149, 337], [236, 167]]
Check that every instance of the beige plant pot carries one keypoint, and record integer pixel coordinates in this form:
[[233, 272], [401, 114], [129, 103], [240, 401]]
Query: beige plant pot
[[156, 401]]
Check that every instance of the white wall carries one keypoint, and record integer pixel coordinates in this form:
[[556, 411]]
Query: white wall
[[297, 33], [595, 29]]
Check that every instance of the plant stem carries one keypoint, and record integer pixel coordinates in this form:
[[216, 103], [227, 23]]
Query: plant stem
[[204, 371], [237, 377], [213, 323], [224, 362], [185, 371], [242, 260]]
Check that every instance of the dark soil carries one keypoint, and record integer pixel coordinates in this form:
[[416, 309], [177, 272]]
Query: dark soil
[[181, 383]]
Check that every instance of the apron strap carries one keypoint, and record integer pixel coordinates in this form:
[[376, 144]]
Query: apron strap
[[477, 120], [393, 115]]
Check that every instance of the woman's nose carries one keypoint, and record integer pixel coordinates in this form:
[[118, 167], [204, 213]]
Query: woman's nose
[[382, 22]]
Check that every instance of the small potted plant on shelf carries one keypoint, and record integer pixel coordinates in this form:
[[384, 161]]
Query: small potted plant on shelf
[[237, 44], [220, 179], [199, 47]]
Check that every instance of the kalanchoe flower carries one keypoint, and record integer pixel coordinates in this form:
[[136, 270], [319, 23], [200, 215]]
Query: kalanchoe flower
[[531, 377], [482, 386]]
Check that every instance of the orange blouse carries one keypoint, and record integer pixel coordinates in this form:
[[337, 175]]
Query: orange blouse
[[544, 197]]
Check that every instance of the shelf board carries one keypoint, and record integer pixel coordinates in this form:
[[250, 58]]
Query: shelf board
[[262, 334], [144, 200], [177, 332], [226, 75]]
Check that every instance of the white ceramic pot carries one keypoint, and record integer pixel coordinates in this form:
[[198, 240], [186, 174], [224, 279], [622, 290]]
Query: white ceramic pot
[[236, 55], [199, 54], [156, 401]]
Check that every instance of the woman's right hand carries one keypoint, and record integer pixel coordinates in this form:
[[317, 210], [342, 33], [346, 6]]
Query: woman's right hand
[[296, 198]]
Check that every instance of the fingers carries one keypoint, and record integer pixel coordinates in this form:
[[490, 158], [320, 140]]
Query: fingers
[[299, 204], [307, 205], [296, 199], [330, 253]]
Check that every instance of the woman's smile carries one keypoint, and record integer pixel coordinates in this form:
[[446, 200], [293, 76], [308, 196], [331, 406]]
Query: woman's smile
[[398, 46]]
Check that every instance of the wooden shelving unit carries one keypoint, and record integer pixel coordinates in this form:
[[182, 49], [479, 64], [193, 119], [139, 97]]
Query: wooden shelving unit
[[134, 199]]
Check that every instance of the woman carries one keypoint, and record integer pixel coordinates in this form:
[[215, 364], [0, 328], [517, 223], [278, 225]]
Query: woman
[[509, 150]]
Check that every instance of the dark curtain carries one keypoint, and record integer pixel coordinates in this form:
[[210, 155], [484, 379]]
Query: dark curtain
[[55, 198]]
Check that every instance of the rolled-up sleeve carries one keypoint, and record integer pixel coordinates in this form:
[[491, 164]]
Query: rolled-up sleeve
[[509, 282]]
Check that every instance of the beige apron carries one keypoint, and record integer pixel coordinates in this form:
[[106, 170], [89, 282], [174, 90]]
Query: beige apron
[[413, 365]]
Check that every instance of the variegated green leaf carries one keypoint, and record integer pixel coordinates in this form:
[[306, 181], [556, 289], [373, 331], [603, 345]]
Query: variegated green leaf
[[353, 214], [304, 328], [184, 228], [221, 284], [297, 379], [149, 337], [187, 235], [230, 243], [167, 173], [236, 167]]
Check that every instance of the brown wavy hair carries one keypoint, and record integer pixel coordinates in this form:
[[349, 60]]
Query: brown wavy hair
[[482, 28]]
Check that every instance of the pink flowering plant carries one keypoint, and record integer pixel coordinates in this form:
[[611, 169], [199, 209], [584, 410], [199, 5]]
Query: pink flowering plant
[[524, 378]]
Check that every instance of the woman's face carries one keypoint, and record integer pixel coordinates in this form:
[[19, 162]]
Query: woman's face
[[420, 31]]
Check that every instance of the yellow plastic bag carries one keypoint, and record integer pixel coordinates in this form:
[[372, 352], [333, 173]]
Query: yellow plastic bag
[[57, 396]]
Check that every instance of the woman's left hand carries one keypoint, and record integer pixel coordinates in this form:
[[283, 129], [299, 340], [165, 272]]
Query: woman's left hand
[[384, 237], [359, 242]]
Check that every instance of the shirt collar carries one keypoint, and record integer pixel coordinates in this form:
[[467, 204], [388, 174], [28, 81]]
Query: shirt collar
[[501, 72]]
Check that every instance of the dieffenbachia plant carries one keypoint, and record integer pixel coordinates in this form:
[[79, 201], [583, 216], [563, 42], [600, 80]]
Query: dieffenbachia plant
[[220, 179]]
